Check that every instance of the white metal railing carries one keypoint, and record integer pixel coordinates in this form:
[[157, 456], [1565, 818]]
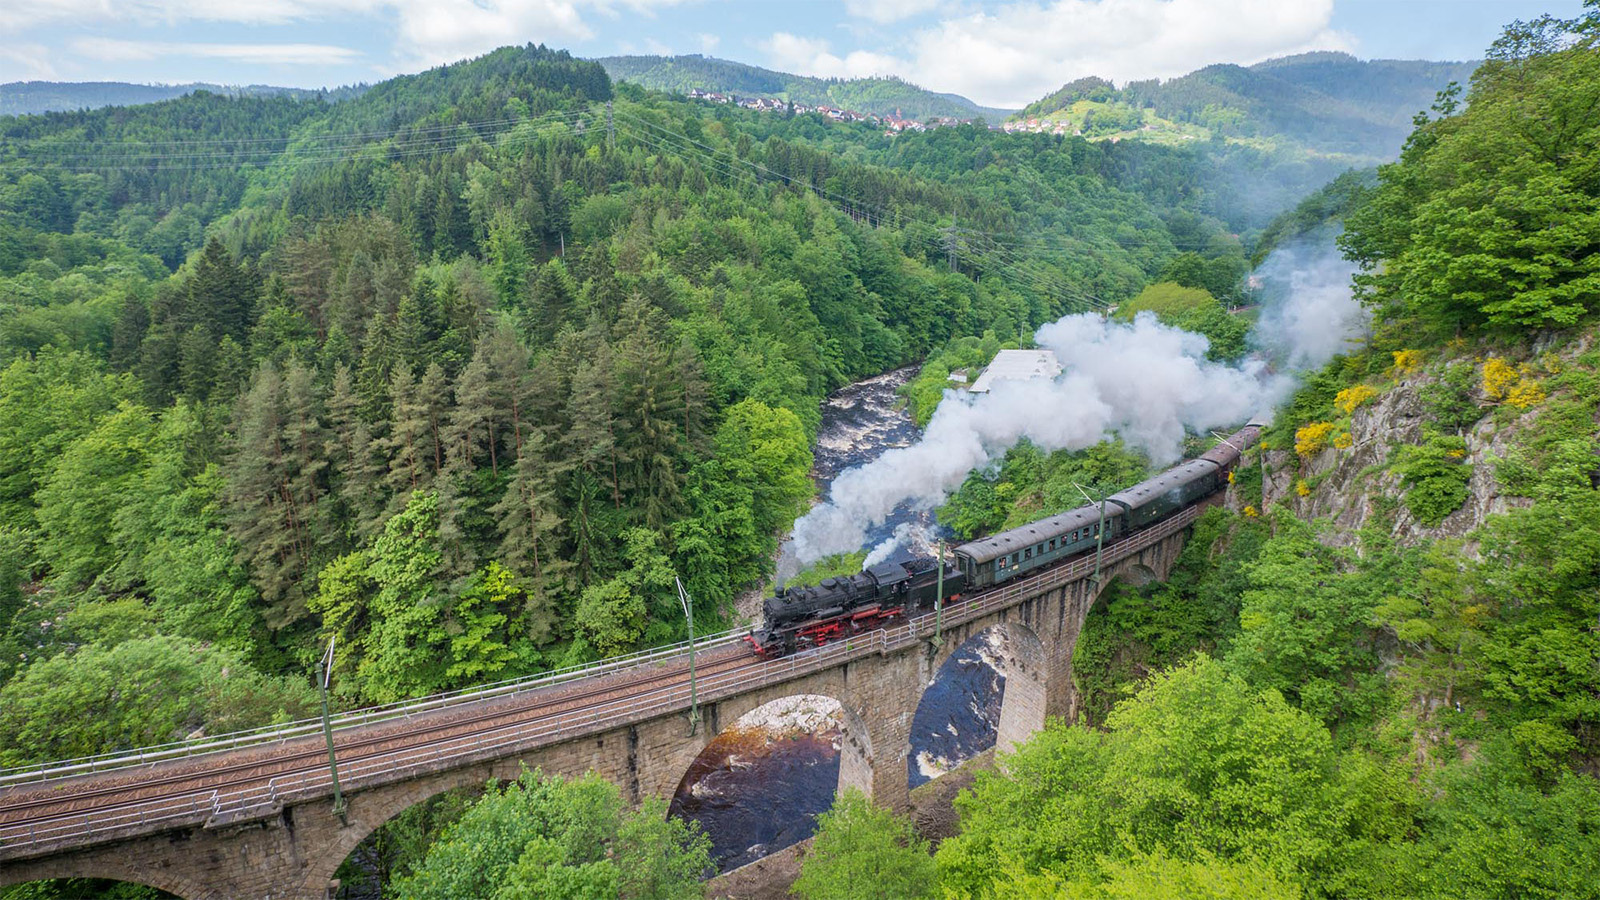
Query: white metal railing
[[499, 741]]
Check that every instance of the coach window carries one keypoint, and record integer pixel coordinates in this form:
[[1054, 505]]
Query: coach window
[[1052, 545], [1015, 558], [1028, 553]]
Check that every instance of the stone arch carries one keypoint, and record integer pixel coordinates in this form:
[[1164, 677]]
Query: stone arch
[[1137, 574], [754, 794], [1021, 656], [173, 883], [370, 810], [855, 740]]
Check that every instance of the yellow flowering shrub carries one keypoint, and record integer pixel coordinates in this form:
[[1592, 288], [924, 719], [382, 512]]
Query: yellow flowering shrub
[[1406, 361], [1513, 384], [1498, 377], [1250, 511], [1351, 398], [1301, 488], [1230, 476], [1527, 392], [1343, 441], [1312, 438]]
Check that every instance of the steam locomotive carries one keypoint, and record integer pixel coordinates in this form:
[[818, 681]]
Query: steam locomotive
[[804, 617]]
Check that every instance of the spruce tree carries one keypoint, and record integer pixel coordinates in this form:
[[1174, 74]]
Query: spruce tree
[[531, 526], [433, 392], [197, 362], [357, 472], [260, 512], [304, 448], [407, 441], [128, 333]]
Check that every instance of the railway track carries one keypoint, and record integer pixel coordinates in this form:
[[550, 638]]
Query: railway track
[[37, 804]]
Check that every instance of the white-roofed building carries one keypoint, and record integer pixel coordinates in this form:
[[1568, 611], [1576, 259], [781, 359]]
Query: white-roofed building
[[1019, 365]]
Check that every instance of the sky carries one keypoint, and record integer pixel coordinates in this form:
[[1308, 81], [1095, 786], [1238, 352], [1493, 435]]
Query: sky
[[1002, 54]]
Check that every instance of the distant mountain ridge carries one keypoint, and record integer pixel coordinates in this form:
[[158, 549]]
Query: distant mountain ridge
[[1325, 101], [19, 98], [878, 96]]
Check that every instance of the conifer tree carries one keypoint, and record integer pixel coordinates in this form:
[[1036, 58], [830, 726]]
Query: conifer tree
[[590, 438], [407, 441], [530, 521], [433, 392], [358, 473], [128, 333], [261, 514], [220, 293], [508, 254], [554, 296], [197, 362], [304, 447], [471, 433]]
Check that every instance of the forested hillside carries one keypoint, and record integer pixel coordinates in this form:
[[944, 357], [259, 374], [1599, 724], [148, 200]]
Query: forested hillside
[[20, 98], [1377, 673], [1327, 103], [878, 96], [459, 371]]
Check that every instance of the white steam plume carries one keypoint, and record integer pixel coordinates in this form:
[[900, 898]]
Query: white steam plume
[[1144, 380], [912, 535], [1308, 311]]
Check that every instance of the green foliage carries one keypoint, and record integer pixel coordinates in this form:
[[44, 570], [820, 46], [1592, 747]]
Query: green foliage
[[1131, 632], [553, 838], [1198, 766], [828, 567], [1494, 831], [1451, 402], [142, 691], [1304, 624], [862, 850], [971, 354], [1483, 222], [400, 845], [1029, 485], [1436, 474], [1192, 309]]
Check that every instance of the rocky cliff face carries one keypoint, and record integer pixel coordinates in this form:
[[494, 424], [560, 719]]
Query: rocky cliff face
[[1354, 486]]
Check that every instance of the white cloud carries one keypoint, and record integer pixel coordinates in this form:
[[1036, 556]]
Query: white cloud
[[427, 32], [708, 42], [1021, 52], [27, 13], [885, 11], [27, 62], [112, 50], [813, 56]]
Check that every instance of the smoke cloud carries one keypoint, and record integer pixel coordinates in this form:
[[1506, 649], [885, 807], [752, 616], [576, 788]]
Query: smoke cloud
[[1143, 380], [1308, 312]]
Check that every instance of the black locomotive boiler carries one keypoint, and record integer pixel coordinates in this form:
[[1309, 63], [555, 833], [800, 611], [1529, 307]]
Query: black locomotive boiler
[[837, 607]]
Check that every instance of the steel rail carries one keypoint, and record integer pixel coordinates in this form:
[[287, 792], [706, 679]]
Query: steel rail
[[212, 807], [276, 734]]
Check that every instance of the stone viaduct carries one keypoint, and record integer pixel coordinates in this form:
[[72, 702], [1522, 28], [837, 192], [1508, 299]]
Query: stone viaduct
[[288, 842]]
